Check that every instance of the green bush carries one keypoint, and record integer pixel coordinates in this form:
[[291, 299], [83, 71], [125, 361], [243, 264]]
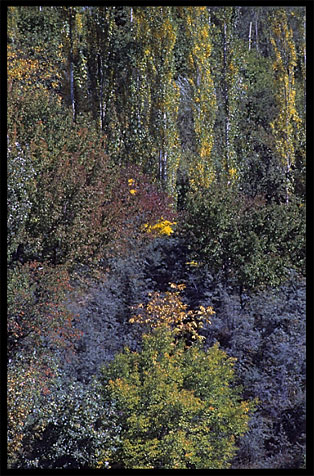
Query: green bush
[[253, 244], [172, 407]]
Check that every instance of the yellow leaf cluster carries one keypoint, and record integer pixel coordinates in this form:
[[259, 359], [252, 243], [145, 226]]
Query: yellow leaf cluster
[[163, 227], [194, 264], [169, 311], [131, 183]]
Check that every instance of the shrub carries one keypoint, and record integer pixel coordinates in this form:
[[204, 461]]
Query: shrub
[[169, 311], [144, 211], [39, 326], [70, 435], [68, 203], [172, 406], [251, 243], [37, 316], [28, 381], [265, 332]]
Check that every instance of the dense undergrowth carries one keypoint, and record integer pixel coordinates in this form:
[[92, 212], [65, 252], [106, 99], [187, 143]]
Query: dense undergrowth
[[264, 331]]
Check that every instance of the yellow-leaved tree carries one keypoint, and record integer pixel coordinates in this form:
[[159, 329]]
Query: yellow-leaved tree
[[286, 125], [171, 405], [197, 29]]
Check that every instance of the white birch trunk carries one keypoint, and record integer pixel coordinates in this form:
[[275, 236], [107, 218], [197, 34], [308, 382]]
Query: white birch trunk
[[250, 35]]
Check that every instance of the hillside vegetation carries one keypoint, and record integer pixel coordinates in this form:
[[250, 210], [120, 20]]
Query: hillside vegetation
[[156, 237]]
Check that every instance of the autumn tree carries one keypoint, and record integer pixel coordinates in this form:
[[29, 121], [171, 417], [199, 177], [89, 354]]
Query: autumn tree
[[169, 406], [202, 93], [169, 311], [35, 51], [153, 97], [286, 124]]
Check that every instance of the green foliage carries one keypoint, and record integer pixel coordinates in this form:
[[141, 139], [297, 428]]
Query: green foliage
[[71, 435], [57, 425], [110, 107], [27, 381], [172, 407], [252, 243], [67, 201], [21, 185]]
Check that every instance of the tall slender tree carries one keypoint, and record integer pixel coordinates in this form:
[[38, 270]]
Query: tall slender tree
[[202, 90], [286, 124]]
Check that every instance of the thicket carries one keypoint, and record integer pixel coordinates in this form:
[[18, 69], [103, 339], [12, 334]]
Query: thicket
[[149, 146]]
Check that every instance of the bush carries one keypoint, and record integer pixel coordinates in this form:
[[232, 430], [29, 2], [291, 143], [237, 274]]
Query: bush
[[251, 243], [39, 327], [57, 426], [38, 320], [28, 381], [68, 203], [72, 434], [172, 406]]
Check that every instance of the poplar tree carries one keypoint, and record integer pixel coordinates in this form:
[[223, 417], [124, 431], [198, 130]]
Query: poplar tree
[[229, 85], [157, 104], [287, 122], [203, 97]]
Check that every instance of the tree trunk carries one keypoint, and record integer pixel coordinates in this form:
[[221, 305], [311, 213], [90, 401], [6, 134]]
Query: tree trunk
[[72, 70], [227, 118], [250, 35], [256, 35], [101, 92]]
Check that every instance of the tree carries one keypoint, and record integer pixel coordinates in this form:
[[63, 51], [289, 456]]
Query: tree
[[227, 56], [171, 407], [170, 312], [251, 243], [39, 327], [154, 116], [202, 92], [35, 50], [285, 126]]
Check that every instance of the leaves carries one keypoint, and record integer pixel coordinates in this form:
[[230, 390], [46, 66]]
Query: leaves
[[170, 312], [165, 400], [246, 240], [118, 117]]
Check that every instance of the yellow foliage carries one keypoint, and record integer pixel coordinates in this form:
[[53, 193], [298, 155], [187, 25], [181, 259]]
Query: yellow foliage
[[192, 263], [163, 227], [170, 312], [286, 125], [204, 106], [30, 72]]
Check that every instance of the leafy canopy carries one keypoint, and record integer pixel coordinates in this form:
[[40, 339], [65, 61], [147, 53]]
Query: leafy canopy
[[171, 406]]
